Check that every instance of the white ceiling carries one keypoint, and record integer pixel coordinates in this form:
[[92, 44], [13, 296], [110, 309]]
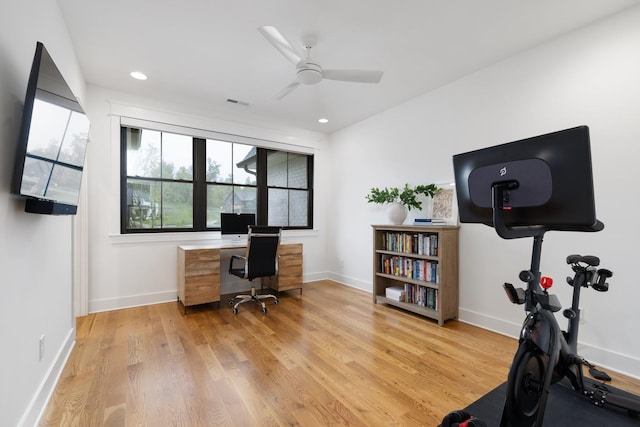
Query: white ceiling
[[199, 53]]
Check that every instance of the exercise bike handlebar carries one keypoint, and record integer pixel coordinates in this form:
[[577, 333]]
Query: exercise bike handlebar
[[518, 231], [591, 260]]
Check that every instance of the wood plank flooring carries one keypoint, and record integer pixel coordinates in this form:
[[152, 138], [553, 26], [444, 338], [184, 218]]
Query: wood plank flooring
[[326, 357]]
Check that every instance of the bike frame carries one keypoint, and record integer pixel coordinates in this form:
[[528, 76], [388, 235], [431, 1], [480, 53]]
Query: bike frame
[[541, 328]]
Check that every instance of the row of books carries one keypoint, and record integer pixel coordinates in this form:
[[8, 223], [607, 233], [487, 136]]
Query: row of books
[[411, 268], [421, 295], [412, 243]]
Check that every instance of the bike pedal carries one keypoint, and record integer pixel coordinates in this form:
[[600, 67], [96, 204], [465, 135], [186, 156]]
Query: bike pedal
[[599, 375]]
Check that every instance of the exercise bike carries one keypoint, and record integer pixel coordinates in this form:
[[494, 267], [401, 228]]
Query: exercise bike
[[546, 354], [523, 189]]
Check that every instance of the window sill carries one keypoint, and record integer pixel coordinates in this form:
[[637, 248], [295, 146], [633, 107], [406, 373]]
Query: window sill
[[181, 237]]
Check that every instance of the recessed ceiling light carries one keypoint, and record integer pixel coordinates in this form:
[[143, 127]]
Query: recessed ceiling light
[[138, 75], [323, 120]]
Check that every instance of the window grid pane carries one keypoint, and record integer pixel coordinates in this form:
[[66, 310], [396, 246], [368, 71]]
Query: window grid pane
[[219, 161], [278, 208], [245, 164], [298, 205], [216, 197], [297, 171], [177, 157], [143, 204], [277, 169], [229, 198], [143, 153], [177, 205]]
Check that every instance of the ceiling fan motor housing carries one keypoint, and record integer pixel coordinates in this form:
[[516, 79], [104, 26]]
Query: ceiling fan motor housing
[[309, 73]]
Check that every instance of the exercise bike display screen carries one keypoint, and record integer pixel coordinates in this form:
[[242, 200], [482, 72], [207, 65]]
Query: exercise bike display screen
[[550, 178]]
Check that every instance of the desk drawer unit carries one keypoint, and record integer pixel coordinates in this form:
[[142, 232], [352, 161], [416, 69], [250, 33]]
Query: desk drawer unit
[[198, 276], [289, 269]]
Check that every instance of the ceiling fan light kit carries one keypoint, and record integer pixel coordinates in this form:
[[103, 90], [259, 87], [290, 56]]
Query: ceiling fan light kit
[[308, 72], [309, 75]]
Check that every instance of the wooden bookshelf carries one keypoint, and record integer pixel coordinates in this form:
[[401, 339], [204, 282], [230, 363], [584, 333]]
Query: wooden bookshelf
[[423, 262]]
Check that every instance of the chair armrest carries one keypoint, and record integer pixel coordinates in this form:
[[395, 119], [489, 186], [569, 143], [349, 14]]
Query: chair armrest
[[239, 258]]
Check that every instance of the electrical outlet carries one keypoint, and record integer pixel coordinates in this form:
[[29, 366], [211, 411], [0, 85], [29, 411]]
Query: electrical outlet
[[42, 347], [583, 318]]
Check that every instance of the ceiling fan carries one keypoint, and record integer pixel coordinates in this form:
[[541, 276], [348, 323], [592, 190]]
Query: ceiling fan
[[308, 71]]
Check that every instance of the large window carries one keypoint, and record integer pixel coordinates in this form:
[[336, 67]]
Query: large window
[[173, 182]]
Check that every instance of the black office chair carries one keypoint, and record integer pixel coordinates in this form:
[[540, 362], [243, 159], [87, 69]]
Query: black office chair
[[260, 260]]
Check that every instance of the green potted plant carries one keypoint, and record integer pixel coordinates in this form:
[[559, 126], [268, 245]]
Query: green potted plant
[[401, 200]]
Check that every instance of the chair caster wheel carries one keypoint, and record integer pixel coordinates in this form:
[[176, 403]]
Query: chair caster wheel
[[276, 302], [264, 310], [235, 311], [230, 302]]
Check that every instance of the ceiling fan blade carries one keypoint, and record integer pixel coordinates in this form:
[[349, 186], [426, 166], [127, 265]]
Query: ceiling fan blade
[[281, 43], [359, 76], [287, 90]]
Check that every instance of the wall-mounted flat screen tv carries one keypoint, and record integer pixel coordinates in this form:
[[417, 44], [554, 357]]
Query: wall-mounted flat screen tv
[[52, 143]]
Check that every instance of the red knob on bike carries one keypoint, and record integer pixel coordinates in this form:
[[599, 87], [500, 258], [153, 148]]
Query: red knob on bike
[[546, 282]]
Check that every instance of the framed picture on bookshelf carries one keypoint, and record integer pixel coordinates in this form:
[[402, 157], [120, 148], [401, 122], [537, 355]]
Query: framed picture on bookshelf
[[444, 206]]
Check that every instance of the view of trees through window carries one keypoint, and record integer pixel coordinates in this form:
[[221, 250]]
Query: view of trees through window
[[55, 153], [161, 194], [230, 163], [177, 182]]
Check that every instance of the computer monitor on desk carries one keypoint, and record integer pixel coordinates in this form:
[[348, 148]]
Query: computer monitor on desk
[[235, 226]]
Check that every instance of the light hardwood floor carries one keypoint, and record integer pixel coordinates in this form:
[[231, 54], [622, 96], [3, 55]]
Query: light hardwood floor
[[326, 357]]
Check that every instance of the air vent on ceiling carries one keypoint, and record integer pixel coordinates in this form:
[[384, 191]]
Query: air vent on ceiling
[[235, 101]]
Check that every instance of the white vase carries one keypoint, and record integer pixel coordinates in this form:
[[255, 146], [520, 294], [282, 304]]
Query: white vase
[[397, 213]]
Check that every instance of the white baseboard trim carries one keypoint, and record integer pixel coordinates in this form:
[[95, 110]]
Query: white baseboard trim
[[108, 304], [603, 358], [607, 359], [41, 398], [314, 277], [349, 281], [490, 323]]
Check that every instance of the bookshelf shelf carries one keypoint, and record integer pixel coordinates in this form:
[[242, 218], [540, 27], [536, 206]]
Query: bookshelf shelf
[[409, 280], [409, 307], [422, 263]]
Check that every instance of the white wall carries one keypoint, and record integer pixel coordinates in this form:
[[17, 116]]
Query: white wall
[[587, 77], [129, 270], [35, 250]]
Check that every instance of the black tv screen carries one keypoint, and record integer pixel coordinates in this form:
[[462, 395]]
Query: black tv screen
[[52, 143], [552, 176]]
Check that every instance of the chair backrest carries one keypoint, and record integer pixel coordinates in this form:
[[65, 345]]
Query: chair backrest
[[262, 251]]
